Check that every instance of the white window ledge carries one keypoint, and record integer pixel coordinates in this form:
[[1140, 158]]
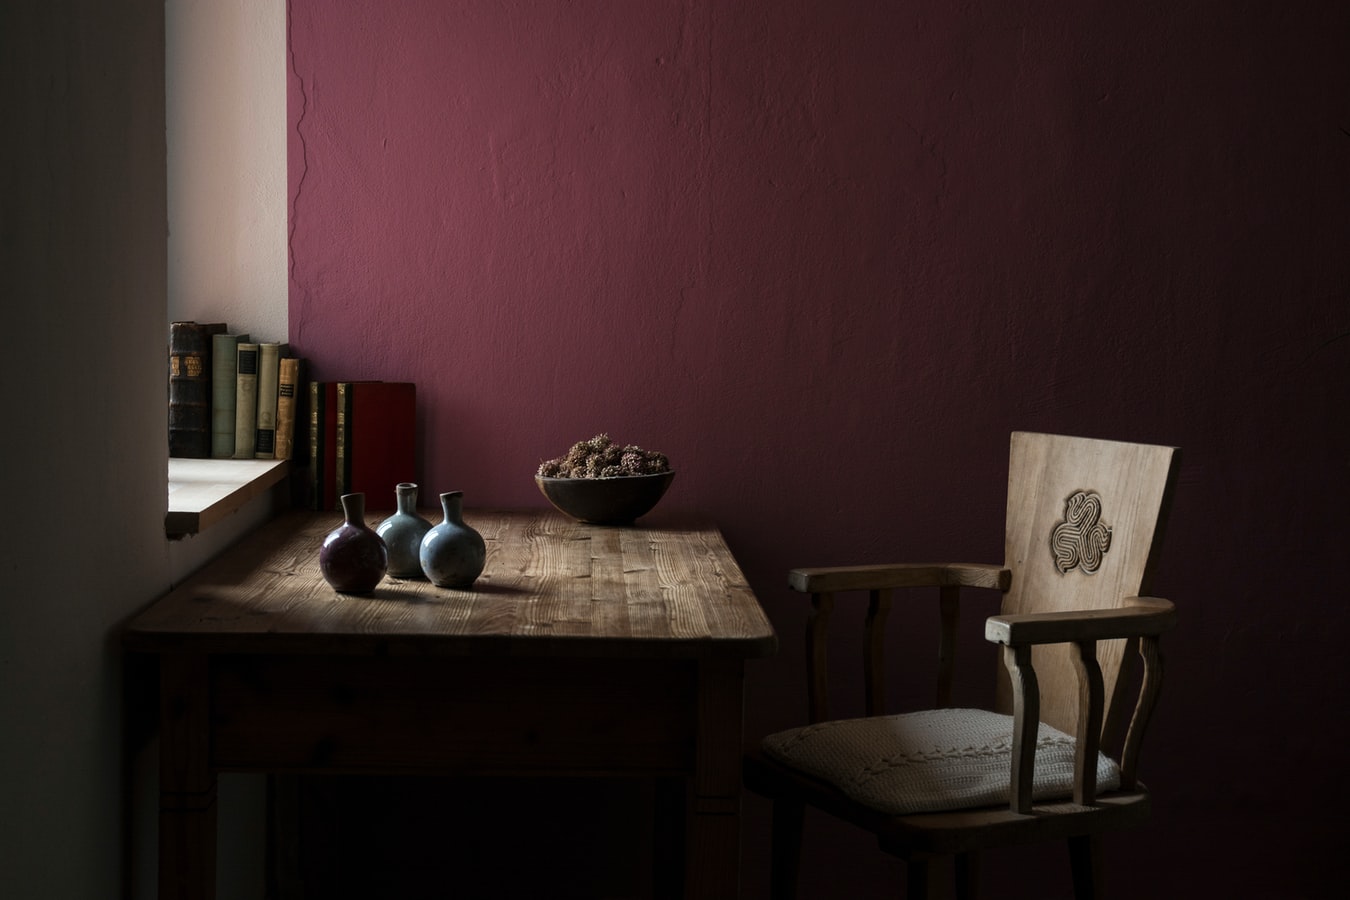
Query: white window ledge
[[204, 491]]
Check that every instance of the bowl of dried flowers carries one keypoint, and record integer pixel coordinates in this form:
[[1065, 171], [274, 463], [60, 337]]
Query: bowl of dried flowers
[[604, 483]]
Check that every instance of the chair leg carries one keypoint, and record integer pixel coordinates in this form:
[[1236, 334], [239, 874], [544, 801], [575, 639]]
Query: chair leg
[[671, 800], [917, 880], [1086, 860], [788, 817], [967, 876]]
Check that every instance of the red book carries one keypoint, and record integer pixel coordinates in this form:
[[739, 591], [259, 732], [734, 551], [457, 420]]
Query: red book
[[376, 438]]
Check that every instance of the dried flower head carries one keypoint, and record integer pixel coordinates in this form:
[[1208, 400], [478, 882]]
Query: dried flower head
[[600, 457]]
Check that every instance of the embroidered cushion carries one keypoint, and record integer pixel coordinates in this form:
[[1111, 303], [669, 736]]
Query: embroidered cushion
[[928, 761]]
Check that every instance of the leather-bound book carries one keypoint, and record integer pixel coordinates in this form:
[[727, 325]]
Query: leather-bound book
[[190, 388], [289, 396]]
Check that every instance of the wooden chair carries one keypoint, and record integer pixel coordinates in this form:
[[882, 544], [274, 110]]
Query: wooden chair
[[1084, 520]]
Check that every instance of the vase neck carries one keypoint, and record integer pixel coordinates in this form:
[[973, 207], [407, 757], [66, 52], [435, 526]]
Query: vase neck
[[452, 504], [407, 498], [354, 509]]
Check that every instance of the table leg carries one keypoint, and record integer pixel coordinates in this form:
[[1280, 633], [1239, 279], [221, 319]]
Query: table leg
[[714, 844], [187, 784], [671, 804]]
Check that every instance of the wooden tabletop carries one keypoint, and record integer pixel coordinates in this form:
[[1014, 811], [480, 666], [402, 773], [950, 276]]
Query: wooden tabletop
[[666, 587]]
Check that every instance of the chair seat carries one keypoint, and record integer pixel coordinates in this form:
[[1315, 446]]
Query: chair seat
[[953, 831], [929, 761]]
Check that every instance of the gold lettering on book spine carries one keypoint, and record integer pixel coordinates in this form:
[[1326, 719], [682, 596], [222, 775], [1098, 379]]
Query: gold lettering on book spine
[[191, 366]]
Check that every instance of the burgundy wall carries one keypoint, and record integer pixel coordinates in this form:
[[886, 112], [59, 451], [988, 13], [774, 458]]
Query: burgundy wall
[[827, 255]]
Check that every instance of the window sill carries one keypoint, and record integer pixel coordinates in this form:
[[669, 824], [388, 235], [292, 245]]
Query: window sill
[[202, 492]]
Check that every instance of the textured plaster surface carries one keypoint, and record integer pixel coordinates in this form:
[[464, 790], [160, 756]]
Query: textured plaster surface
[[827, 255]]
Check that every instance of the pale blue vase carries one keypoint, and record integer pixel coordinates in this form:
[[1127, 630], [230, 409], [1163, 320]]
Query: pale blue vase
[[453, 554], [403, 533]]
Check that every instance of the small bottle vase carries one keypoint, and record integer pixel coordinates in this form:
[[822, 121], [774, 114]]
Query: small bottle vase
[[453, 554], [353, 558], [403, 532]]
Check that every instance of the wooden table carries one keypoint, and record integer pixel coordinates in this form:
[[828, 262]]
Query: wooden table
[[582, 650]]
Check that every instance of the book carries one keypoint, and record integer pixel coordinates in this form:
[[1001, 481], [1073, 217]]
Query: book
[[376, 433], [190, 388], [289, 399], [245, 400], [269, 373], [224, 350], [322, 445]]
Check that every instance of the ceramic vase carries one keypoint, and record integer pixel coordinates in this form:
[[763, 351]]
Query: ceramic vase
[[353, 558], [453, 554], [403, 532]]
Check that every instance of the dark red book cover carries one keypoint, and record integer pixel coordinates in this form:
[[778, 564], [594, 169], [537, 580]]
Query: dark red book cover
[[376, 439]]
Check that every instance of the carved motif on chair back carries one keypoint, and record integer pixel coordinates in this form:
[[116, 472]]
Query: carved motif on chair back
[[1083, 526]]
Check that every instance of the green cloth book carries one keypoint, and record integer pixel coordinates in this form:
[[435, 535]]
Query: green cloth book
[[224, 350]]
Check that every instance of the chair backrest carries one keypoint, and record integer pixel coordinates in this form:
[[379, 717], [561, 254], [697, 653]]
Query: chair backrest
[[1084, 524]]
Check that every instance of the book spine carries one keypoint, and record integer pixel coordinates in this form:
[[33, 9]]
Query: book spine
[[190, 389], [246, 400], [329, 425], [269, 374], [288, 386], [224, 349], [319, 475], [342, 469]]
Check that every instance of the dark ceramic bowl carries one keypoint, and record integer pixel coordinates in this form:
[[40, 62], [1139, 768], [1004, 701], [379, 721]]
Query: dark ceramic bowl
[[605, 501]]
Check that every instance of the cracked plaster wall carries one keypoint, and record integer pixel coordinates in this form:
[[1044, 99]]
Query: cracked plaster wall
[[827, 255]]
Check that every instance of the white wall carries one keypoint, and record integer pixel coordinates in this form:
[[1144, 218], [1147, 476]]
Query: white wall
[[226, 110]]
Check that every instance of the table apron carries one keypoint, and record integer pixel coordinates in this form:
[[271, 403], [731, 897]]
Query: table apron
[[427, 715]]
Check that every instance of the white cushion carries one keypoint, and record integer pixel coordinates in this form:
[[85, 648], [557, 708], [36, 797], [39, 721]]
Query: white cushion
[[929, 761]]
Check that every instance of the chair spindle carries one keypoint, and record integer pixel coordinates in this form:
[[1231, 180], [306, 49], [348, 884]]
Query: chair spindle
[[1026, 723], [949, 606], [817, 627], [1149, 691], [1091, 702], [874, 651]]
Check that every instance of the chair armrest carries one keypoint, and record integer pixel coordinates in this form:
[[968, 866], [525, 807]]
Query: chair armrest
[[1140, 616], [902, 575], [880, 581]]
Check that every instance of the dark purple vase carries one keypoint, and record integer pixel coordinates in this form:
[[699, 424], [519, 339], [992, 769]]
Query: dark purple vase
[[353, 558]]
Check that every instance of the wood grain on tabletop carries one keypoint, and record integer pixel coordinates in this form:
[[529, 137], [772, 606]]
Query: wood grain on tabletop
[[668, 588]]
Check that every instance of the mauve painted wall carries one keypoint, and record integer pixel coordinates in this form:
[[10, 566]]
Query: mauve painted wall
[[827, 255]]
